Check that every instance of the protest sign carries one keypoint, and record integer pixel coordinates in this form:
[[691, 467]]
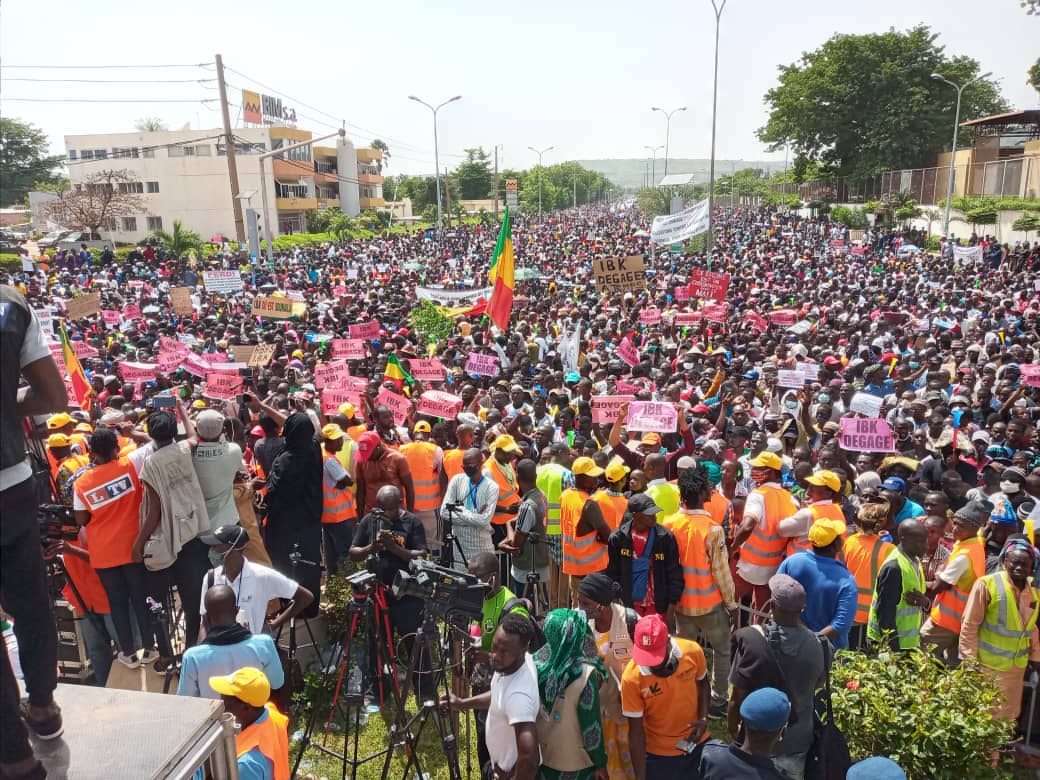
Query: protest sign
[[222, 282], [709, 284], [686, 318], [789, 378], [357, 383], [757, 321], [783, 316], [607, 408], [59, 356], [860, 434], [398, 404], [262, 355], [836, 242], [811, 371], [272, 307], [651, 316], [83, 306], [627, 352], [180, 299], [482, 365], [972, 254], [348, 349], [196, 364], [431, 370], [170, 361], [652, 416], [46, 317], [351, 273], [715, 312], [440, 404], [222, 386], [242, 352], [110, 317], [364, 330], [131, 312], [330, 374], [682, 293], [619, 274], [83, 349], [678, 227], [866, 404], [134, 372], [333, 397], [1030, 373], [859, 250]]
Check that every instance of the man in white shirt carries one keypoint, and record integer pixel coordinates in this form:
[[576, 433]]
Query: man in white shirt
[[469, 504], [254, 585]]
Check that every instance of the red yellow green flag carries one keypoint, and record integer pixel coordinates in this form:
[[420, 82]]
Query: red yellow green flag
[[394, 372], [80, 386], [502, 276]]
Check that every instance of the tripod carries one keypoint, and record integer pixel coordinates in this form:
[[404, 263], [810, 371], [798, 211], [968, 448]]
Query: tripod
[[449, 542], [367, 619], [535, 591], [162, 628], [295, 559]]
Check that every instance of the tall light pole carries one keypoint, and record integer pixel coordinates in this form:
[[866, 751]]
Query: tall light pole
[[436, 156], [667, 130], [953, 146], [540, 153], [718, 7], [653, 164]]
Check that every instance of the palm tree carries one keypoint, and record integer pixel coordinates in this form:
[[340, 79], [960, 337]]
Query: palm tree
[[149, 124], [179, 241], [382, 147]]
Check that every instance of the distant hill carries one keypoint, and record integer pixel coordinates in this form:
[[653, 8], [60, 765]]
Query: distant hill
[[629, 174]]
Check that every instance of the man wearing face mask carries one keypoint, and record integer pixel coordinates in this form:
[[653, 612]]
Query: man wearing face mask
[[469, 505]]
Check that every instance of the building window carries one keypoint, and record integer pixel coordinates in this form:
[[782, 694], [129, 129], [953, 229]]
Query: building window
[[155, 223], [129, 224], [152, 186], [204, 150], [148, 153], [188, 151], [242, 148], [88, 154], [131, 187], [122, 152], [72, 154], [101, 154], [290, 190], [109, 223]]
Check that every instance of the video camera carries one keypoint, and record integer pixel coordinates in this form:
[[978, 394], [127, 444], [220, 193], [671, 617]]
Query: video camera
[[445, 591], [56, 524]]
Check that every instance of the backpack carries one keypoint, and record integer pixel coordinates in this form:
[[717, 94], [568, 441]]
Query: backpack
[[538, 640]]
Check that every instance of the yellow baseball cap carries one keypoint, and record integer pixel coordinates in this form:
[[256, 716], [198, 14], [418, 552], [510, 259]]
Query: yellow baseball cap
[[505, 442], [422, 427], [586, 466], [198, 404], [58, 440], [347, 409], [651, 438], [827, 479], [59, 420], [84, 427], [616, 471], [332, 432], [826, 530], [297, 354], [248, 684], [767, 460]]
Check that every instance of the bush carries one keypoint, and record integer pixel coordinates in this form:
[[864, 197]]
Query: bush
[[983, 215], [994, 203], [1027, 222], [932, 243], [933, 721], [10, 262], [852, 218]]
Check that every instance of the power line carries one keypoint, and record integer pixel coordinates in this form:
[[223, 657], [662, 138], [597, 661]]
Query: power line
[[110, 81], [187, 142], [102, 100], [102, 67]]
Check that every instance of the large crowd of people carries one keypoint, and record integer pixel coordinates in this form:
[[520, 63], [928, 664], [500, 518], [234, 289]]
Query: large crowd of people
[[682, 500]]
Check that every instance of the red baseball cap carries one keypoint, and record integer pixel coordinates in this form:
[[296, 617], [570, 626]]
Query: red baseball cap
[[367, 444], [650, 646]]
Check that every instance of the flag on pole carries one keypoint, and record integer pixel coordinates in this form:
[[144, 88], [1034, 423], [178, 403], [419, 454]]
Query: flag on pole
[[80, 386], [394, 372], [501, 274]]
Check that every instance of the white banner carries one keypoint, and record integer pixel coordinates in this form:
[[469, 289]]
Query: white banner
[[223, 282], [967, 253], [451, 296], [676, 228]]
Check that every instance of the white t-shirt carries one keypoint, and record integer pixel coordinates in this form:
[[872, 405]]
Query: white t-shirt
[[254, 588], [514, 699], [33, 348]]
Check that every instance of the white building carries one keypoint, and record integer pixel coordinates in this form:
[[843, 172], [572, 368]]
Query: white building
[[183, 175]]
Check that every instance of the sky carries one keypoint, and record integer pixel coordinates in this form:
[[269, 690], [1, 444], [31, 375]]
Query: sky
[[576, 75]]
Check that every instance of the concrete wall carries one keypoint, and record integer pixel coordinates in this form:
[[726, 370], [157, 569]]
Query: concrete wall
[[961, 229]]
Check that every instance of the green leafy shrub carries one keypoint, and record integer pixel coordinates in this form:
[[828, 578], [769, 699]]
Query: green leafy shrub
[[10, 262], [429, 323], [1027, 222], [933, 721], [852, 218], [983, 215], [932, 243], [994, 203]]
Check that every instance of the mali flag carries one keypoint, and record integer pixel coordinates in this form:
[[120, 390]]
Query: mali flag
[[501, 275], [80, 386], [394, 372]]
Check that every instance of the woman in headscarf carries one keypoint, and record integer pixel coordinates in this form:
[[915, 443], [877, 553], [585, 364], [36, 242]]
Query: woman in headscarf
[[294, 504], [569, 676], [611, 624]]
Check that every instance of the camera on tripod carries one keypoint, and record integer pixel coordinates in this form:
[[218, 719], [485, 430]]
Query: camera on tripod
[[445, 591], [56, 524]]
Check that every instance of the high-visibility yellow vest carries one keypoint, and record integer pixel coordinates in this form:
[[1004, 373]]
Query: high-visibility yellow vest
[[665, 496], [948, 609], [421, 457], [1003, 639], [550, 482], [908, 617]]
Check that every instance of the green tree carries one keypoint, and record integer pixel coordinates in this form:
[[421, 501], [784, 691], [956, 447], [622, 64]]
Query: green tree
[[149, 124], [1027, 222], [178, 241], [381, 146], [340, 224], [652, 202], [318, 221], [23, 160], [474, 178], [861, 104], [1034, 75]]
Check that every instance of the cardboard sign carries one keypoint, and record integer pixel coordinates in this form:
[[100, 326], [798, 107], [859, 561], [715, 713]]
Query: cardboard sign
[[651, 316], [866, 404], [180, 298], [607, 408], [859, 434], [788, 378], [110, 317], [715, 312], [440, 404], [171, 354], [398, 404], [262, 355], [431, 370], [709, 284], [83, 306], [242, 352], [222, 282], [783, 317], [482, 365], [628, 353], [131, 312], [1030, 374], [652, 416], [348, 349], [272, 307], [222, 386], [134, 372], [330, 374], [687, 318], [619, 274], [333, 397], [364, 330]]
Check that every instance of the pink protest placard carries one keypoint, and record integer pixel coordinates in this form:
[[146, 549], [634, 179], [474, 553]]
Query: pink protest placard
[[607, 408], [133, 372], [132, 311], [783, 316], [340, 289], [650, 316], [431, 370], [83, 349], [652, 416], [628, 388], [482, 365], [757, 321], [398, 404], [59, 356], [836, 242], [1030, 373], [715, 312], [364, 330], [440, 404], [866, 434], [333, 397], [682, 293], [330, 374], [627, 352], [170, 361], [859, 250], [110, 317], [196, 364], [222, 386], [349, 349], [709, 284], [687, 318]]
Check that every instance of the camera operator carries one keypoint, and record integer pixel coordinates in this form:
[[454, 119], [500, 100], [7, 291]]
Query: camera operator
[[390, 537], [526, 540], [23, 579]]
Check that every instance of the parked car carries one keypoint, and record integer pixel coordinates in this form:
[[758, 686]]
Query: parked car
[[50, 241], [11, 248]]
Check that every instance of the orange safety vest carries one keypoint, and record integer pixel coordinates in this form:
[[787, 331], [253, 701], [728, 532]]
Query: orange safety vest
[[337, 505], [421, 457], [507, 492], [581, 554], [718, 506], [700, 591], [765, 547], [831, 511], [355, 431], [948, 609], [453, 462], [613, 507], [271, 735], [864, 555]]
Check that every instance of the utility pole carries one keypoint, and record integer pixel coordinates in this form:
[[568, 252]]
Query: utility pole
[[232, 165], [496, 181], [447, 195], [574, 182]]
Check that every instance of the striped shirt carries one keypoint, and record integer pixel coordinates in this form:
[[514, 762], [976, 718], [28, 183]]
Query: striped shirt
[[471, 523]]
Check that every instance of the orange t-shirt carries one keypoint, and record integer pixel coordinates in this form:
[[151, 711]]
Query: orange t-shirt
[[111, 493]]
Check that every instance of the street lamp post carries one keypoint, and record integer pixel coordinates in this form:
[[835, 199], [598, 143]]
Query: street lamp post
[[667, 130], [653, 164], [718, 7], [436, 156], [953, 146], [540, 153]]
